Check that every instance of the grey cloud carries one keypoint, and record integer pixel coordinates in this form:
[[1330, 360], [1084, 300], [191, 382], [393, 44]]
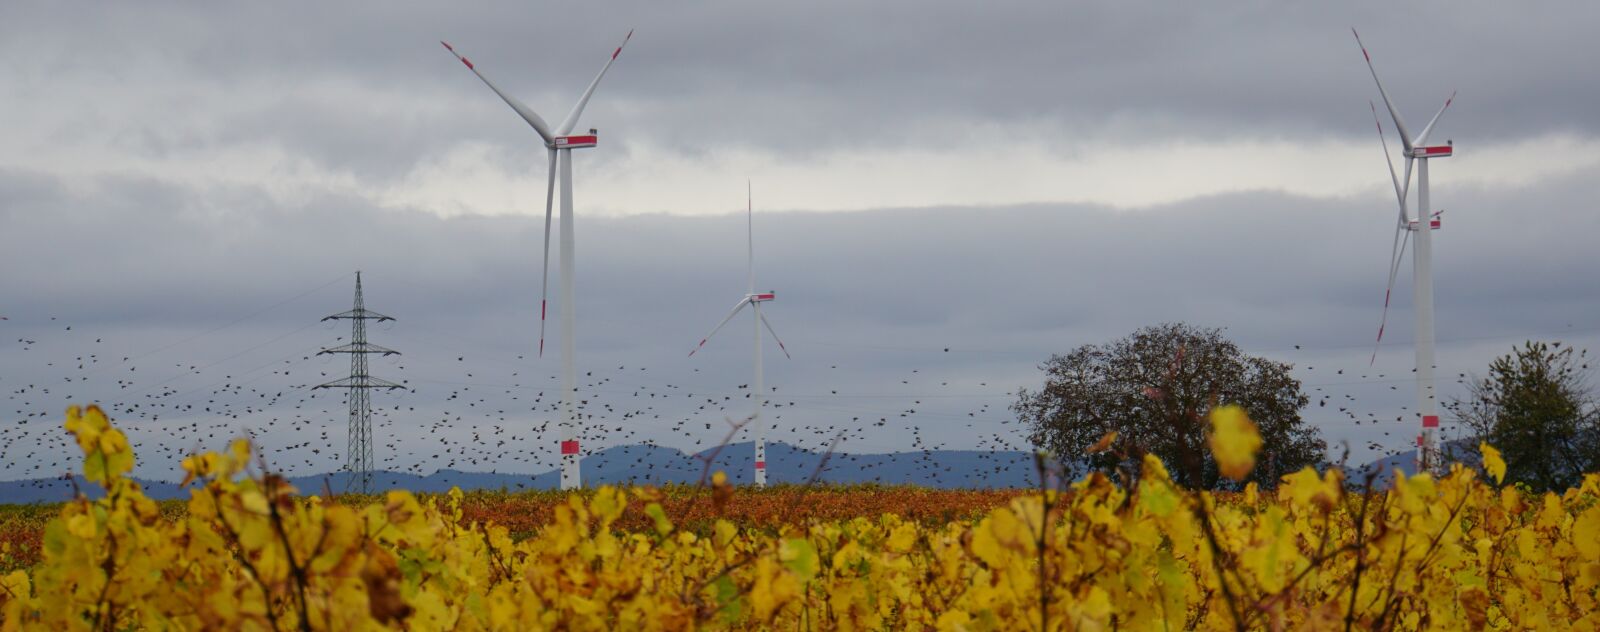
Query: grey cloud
[[806, 78]]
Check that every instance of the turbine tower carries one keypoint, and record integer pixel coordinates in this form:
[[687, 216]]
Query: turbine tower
[[1415, 150], [559, 142], [754, 300], [358, 453]]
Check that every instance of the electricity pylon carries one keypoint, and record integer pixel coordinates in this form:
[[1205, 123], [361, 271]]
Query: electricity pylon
[[358, 455]]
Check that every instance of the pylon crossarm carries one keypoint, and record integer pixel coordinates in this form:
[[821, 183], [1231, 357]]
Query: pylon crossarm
[[359, 347], [359, 313], [360, 381]]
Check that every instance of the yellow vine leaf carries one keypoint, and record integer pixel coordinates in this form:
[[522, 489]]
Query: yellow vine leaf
[[1586, 534], [1492, 462], [105, 449], [1234, 441], [1305, 490], [246, 552]]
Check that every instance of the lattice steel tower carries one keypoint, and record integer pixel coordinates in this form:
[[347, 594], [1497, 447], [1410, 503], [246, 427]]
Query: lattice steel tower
[[358, 455]]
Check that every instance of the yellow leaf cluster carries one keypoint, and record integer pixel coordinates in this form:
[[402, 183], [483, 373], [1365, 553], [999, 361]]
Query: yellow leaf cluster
[[1493, 462], [1234, 441], [1436, 553]]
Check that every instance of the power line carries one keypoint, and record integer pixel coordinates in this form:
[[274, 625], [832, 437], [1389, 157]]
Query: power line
[[1361, 345], [230, 324]]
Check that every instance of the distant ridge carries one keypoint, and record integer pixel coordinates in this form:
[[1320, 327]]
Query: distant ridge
[[1464, 451], [1459, 450], [654, 465], [647, 465]]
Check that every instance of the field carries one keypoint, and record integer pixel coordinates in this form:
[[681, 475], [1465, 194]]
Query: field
[[1453, 552], [689, 508]]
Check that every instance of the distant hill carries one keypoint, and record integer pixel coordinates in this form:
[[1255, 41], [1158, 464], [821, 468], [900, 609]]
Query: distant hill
[[1459, 450], [647, 464], [655, 465], [1462, 450], [50, 490]]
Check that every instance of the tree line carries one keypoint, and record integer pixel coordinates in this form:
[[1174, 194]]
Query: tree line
[[1102, 407]]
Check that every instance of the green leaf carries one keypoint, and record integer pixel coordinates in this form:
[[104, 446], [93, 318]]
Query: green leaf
[[732, 607], [94, 468], [659, 515], [799, 557], [56, 537], [1157, 498]]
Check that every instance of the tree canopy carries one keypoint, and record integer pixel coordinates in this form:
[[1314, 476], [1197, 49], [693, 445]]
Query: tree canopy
[[1154, 389]]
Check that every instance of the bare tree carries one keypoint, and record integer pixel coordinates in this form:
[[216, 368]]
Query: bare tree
[[1154, 388]]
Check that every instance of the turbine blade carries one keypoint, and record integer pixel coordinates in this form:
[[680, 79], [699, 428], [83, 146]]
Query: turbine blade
[[1400, 124], [549, 206], [742, 302], [775, 336], [1397, 253], [750, 234], [524, 111], [577, 110], [1422, 138], [1399, 194]]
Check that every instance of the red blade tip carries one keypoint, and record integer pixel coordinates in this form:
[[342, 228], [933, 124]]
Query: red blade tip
[[624, 43]]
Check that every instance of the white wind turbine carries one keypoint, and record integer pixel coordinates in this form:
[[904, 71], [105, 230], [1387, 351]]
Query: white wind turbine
[[754, 300], [1416, 150], [560, 142]]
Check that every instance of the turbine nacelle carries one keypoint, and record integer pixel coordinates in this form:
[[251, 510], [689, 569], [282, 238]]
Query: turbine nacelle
[[578, 141], [762, 297], [1436, 151], [1433, 224]]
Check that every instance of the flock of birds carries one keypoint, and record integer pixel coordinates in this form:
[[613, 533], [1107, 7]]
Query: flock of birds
[[485, 413], [496, 411]]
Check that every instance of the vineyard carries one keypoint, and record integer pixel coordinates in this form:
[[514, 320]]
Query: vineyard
[[689, 508], [1458, 551]]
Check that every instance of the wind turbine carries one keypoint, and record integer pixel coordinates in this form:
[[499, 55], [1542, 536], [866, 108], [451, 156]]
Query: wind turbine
[[560, 142], [1416, 150], [754, 300]]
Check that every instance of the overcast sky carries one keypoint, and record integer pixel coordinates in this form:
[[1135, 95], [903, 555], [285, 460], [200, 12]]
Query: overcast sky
[[190, 186]]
